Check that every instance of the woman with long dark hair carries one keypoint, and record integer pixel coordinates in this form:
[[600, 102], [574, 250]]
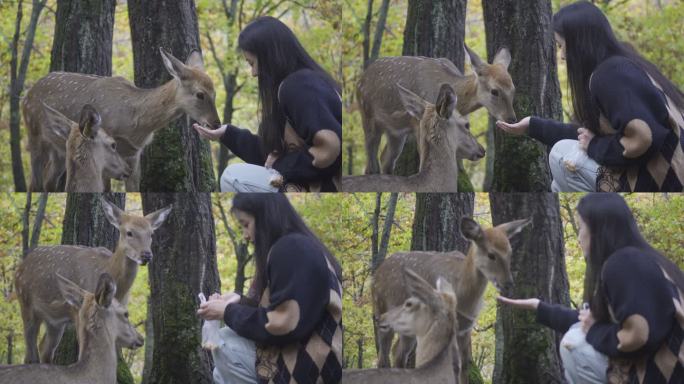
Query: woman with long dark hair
[[633, 328], [289, 326], [298, 146], [629, 126]]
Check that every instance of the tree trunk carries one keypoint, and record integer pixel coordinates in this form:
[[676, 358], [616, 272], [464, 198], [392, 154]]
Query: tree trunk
[[17, 78], [527, 352], [524, 27], [177, 159], [83, 37], [85, 224], [433, 29], [185, 266], [436, 227]]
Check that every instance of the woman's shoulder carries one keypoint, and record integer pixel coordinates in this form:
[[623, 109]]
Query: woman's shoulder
[[630, 262], [305, 78], [617, 70], [294, 244]]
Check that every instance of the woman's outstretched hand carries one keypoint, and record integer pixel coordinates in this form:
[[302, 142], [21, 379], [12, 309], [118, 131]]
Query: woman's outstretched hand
[[519, 303], [210, 134], [519, 128]]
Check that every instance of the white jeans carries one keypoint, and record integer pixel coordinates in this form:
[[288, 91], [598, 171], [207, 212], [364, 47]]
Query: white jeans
[[571, 168], [234, 359], [244, 177], [582, 363]]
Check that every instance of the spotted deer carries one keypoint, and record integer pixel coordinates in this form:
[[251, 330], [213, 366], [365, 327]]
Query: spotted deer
[[489, 86], [37, 284], [90, 152], [102, 325], [129, 114], [438, 168], [488, 259], [429, 315]]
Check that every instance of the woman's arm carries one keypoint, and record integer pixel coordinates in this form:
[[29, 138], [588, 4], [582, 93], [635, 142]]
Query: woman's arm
[[555, 316], [547, 131], [243, 143], [299, 293], [642, 304], [634, 107]]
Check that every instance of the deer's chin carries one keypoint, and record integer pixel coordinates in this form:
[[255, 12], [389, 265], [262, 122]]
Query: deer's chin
[[137, 261]]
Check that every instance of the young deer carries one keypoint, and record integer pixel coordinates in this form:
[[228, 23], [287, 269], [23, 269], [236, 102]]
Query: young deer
[[488, 259], [37, 285], [441, 134], [429, 315], [90, 153], [381, 110], [102, 325], [129, 114]]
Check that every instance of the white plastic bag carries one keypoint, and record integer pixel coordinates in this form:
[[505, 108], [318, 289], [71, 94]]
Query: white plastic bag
[[210, 330]]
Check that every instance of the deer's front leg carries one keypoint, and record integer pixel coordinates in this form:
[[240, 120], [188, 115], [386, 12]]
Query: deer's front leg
[[133, 181]]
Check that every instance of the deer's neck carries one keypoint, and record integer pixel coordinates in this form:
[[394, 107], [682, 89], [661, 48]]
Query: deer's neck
[[438, 339], [467, 95], [471, 286], [83, 172], [123, 271], [158, 107], [438, 165], [97, 358]]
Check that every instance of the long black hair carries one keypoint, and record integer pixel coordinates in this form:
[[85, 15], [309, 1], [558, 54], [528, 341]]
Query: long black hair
[[278, 54], [589, 40], [611, 227], [274, 217]]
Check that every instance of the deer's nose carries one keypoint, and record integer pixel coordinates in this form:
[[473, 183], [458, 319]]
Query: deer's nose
[[216, 124], [511, 120], [146, 257]]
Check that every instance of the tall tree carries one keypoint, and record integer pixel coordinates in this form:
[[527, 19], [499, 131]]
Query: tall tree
[[524, 27], [18, 68], [177, 159], [527, 352], [184, 266], [433, 29]]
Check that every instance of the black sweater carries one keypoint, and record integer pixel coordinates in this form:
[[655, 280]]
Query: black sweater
[[642, 301], [310, 105]]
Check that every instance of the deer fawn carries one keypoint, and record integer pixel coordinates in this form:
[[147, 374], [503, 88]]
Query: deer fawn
[[429, 315], [90, 152], [441, 134], [37, 285], [102, 325], [490, 86], [488, 259], [129, 114]]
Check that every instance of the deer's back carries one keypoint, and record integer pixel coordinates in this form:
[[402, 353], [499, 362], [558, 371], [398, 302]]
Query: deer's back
[[389, 289], [36, 277]]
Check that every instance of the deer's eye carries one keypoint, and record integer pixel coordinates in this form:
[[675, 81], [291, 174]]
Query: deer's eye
[[491, 256], [126, 315], [129, 234], [200, 95], [113, 146], [495, 92], [408, 304], [467, 126]]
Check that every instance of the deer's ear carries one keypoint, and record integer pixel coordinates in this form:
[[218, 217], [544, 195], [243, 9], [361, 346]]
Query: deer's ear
[[89, 122], [471, 229], [112, 213], [512, 228], [444, 286], [156, 218], [503, 57], [175, 67], [418, 287], [58, 127], [195, 60], [72, 293], [414, 104], [446, 101], [475, 60], [106, 288]]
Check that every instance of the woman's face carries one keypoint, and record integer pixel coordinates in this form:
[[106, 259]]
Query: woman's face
[[253, 62], [583, 236], [247, 223], [561, 44]]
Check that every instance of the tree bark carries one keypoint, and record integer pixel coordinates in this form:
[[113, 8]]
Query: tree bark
[[524, 27], [527, 352], [185, 264], [433, 29], [177, 159], [17, 79]]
